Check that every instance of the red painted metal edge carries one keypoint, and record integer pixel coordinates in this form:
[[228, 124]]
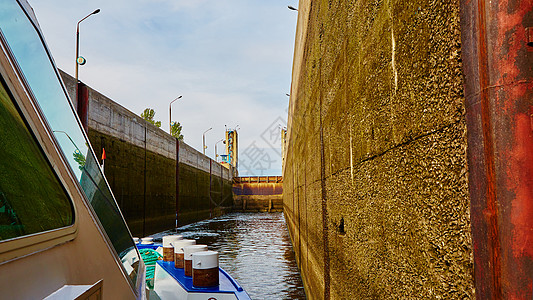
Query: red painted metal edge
[[498, 68], [177, 183], [83, 105], [491, 210]]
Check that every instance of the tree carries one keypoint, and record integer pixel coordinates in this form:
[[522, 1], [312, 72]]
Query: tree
[[176, 130], [148, 115], [79, 158]]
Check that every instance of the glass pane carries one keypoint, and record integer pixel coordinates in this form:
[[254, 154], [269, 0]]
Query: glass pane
[[31, 198], [103, 203], [35, 64], [31, 55]]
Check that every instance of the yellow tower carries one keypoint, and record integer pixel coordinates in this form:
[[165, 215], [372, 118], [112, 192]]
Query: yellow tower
[[231, 148]]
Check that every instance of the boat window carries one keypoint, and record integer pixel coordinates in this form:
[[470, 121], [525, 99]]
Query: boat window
[[32, 199], [40, 73]]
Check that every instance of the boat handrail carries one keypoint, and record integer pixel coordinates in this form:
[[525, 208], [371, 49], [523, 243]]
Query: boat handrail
[[235, 284]]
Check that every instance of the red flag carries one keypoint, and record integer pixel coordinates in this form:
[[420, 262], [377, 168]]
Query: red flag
[[103, 154]]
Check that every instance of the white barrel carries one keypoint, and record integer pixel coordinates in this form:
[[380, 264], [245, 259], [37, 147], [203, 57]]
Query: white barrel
[[147, 240], [167, 240], [168, 250], [178, 245], [189, 250], [178, 251], [187, 257], [205, 269], [204, 260]]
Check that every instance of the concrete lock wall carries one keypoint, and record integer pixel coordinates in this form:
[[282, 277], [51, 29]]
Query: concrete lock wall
[[142, 171], [375, 182]]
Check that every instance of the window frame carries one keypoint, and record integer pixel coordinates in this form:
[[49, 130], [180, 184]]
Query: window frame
[[19, 88], [16, 87]]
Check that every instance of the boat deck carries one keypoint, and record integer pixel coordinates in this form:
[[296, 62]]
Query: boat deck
[[163, 285], [227, 285]]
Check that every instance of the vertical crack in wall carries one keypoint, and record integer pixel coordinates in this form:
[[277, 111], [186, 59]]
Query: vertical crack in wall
[[299, 218], [351, 154], [345, 67], [306, 270], [393, 50], [325, 238], [324, 209]]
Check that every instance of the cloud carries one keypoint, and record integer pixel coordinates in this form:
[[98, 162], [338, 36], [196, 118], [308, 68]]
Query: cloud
[[231, 60]]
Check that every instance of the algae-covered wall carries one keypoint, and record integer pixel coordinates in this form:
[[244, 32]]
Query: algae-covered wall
[[147, 206], [150, 206], [375, 183], [154, 178]]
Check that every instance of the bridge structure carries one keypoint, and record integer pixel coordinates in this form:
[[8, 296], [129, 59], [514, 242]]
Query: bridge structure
[[258, 193]]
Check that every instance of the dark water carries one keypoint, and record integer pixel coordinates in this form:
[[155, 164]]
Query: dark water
[[255, 249]]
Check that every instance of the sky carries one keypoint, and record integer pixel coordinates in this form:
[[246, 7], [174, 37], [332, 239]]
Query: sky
[[231, 60]]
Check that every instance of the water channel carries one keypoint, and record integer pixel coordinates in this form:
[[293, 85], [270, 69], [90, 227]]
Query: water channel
[[255, 249]]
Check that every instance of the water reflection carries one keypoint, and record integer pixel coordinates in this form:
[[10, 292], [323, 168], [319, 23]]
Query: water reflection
[[255, 249]]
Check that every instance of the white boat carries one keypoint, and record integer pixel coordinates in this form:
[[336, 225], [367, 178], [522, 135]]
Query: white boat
[[62, 235], [170, 282]]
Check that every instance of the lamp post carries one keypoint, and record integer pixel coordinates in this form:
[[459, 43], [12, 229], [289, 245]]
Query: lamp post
[[203, 139], [170, 114], [68, 136], [81, 61], [216, 155]]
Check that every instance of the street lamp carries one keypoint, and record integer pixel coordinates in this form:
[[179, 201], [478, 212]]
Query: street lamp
[[170, 114], [216, 155], [292, 8], [203, 139], [68, 136], [80, 60]]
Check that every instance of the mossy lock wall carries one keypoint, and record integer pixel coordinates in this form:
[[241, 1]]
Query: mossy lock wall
[[144, 185], [375, 182], [151, 174]]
